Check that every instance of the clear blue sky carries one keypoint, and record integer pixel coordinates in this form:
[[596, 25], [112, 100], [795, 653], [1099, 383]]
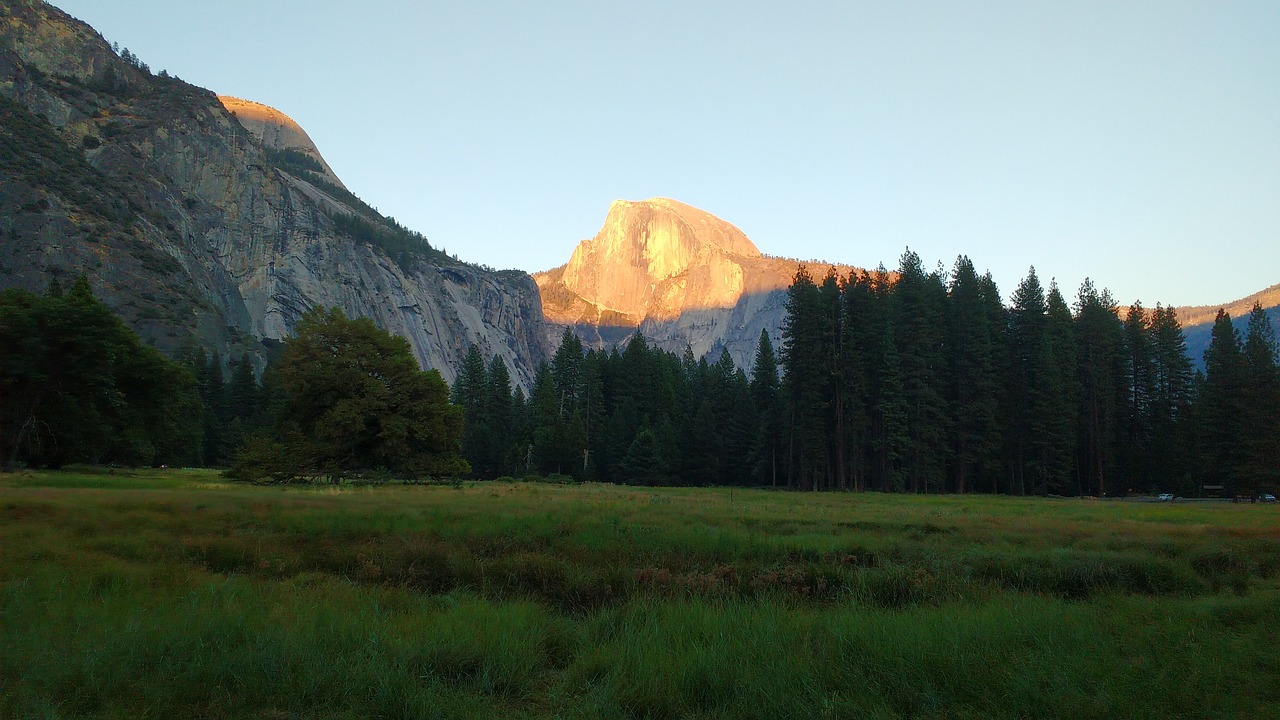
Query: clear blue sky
[[1137, 143]]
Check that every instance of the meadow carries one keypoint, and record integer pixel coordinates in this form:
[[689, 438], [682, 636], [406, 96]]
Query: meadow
[[167, 593]]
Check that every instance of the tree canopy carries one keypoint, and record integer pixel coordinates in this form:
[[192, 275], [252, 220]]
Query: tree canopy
[[76, 385], [354, 400]]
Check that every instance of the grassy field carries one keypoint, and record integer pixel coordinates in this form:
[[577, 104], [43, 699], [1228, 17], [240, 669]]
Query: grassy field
[[171, 594]]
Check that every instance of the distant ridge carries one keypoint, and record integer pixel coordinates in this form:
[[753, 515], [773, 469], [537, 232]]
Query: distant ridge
[[1200, 314], [1197, 322]]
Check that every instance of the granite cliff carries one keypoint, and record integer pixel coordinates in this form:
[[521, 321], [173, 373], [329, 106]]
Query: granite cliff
[[677, 274], [197, 223], [278, 132]]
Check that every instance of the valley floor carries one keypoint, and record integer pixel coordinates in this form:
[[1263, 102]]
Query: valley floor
[[176, 594]]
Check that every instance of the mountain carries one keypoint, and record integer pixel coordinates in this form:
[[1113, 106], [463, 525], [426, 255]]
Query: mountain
[[677, 274], [214, 220], [1197, 322], [280, 135]]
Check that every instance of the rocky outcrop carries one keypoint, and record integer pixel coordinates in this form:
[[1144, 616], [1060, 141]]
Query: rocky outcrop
[[277, 131], [677, 274], [191, 229]]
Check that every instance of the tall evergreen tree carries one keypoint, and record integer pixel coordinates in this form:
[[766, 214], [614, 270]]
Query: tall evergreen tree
[[1056, 398], [560, 437], [1172, 382], [1024, 342], [920, 300], [1138, 393], [470, 392], [1102, 378], [500, 412], [805, 358], [766, 401], [973, 342], [1220, 411], [1260, 436]]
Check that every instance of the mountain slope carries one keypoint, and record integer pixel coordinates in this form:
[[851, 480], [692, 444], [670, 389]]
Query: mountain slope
[[677, 274], [280, 134], [1197, 322], [194, 227]]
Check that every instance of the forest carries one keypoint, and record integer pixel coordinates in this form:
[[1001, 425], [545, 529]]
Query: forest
[[905, 381]]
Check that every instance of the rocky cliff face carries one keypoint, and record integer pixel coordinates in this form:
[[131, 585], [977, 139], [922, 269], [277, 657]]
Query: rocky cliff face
[[679, 275], [192, 229], [277, 131]]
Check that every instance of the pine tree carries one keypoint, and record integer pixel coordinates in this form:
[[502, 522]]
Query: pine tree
[[1219, 410], [1102, 382], [805, 381], [560, 435], [214, 418], [643, 463], [501, 415], [1024, 343], [973, 344], [920, 313], [766, 402], [243, 397], [1172, 382], [1139, 389], [1057, 397], [470, 392], [76, 385], [1260, 436]]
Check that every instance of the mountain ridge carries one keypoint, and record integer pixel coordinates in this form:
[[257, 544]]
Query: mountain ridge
[[191, 229], [677, 274]]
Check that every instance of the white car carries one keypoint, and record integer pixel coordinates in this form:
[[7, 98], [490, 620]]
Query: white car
[[1267, 497], [1164, 497]]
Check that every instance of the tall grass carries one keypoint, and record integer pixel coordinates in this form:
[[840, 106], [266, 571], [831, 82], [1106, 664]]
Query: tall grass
[[176, 596]]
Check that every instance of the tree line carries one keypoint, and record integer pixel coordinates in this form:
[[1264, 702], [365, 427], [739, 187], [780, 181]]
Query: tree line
[[910, 381], [77, 385], [341, 399], [926, 382], [638, 414]]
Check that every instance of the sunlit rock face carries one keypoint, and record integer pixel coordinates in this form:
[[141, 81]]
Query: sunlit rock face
[[677, 274], [276, 130], [642, 245]]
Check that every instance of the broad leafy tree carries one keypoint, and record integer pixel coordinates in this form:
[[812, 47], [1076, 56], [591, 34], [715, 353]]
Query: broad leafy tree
[[355, 400]]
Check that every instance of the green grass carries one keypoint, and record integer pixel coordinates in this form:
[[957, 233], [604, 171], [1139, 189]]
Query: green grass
[[173, 594]]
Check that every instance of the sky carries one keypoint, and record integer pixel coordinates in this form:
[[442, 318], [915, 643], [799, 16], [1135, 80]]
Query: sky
[[1135, 143]]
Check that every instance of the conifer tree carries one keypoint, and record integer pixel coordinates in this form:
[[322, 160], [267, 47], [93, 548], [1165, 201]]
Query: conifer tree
[[1024, 341], [76, 385], [470, 392], [1172, 383], [973, 342], [1259, 439], [1219, 410], [501, 416], [1139, 388], [765, 399], [860, 309], [805, 388], [213, 391], [1056, 399], [920, 313], [1102, 380]]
